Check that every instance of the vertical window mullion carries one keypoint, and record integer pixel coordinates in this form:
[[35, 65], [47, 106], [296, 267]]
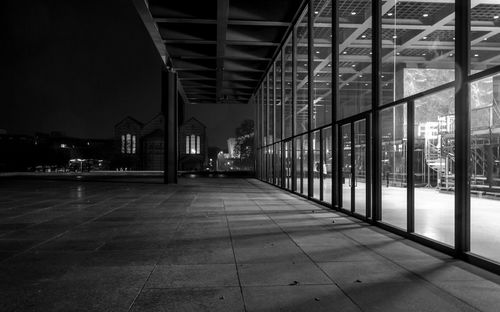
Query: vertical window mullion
[[410, 189]]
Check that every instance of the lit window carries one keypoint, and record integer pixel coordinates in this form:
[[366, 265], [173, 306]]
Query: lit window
[[129, 147], [198, 144], [133, 144], [193, 146], [187, 144], [123, 144]]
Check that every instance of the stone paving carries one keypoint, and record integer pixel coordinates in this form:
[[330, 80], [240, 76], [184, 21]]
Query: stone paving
[[213, 245]]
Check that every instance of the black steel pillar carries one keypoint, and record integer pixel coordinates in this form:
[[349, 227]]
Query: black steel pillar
[[170, 112], [310, 92], [462, 128], [375, 158]]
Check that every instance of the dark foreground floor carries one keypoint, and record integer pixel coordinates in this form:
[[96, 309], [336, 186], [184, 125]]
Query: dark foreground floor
[[212, 245]]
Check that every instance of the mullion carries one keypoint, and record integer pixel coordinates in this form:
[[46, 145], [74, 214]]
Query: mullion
[[353, 168], [410, 185]]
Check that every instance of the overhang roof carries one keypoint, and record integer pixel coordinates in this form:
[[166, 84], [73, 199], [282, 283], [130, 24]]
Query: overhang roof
[[220, 48]]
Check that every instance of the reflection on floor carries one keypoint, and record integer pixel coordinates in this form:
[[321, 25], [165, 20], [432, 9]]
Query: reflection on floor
[[213, 245]]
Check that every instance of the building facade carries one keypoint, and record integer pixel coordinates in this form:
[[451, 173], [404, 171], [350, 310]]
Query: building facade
[[389, 111], [140, 146], [193, 145]]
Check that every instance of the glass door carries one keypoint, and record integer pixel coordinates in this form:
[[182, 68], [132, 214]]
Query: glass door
[[354, 166]]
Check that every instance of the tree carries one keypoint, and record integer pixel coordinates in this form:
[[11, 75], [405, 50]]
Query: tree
[[244, 143]]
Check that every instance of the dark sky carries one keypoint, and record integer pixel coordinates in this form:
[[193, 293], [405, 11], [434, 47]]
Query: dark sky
[[81, 66]]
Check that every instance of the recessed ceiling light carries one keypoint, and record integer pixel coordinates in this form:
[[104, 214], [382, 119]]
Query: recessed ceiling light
[[366, 84], [423, 54], [353, 13], [329, 65], [394, 37], [495, 17], [389, 14], [371, 53], [476, 55], [451, 54], [347, 84], [353, 65], [425, 15], [398, 53], [425, 37], [316, 12], [317, 52], [360, 76], [382, 76], [485, 38], [345, 52], [340, 75], [453, 38], [363, 36]]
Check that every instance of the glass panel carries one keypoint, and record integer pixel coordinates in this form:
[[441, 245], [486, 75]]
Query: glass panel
[[298, 164], [305, 167], [133, 144], [317, 164], [327, 165], [198, 145], [393, 165], [302, 77], [485, 167], [434, 166], [346, 166], [279, 103], [360, 167], [355, 57], [270, 105], [322, 32], [416, 59], [187, 144], [265, 102], [270, 164], [277, 163], [288, 164], [288, 104], [485, 41]]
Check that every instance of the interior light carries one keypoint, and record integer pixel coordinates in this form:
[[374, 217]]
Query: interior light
[[394, 37], [425, 15], [476, 55], [345, 52], [382, 76], [316, 12], [423, 54], [451, 54], [495, 17], [363, 36], [317, 52], [329, 65], [485, 38], [353, 65], [389, 14], [353, 13], [453, 38], [398, 53], [425, 37], [366, 84], [360, 76]]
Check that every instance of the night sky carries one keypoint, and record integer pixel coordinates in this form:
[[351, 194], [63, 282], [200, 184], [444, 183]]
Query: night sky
[[79, 67]]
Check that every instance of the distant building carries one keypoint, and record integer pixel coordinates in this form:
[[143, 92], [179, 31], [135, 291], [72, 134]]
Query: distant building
[[193, 145], [139, 146]]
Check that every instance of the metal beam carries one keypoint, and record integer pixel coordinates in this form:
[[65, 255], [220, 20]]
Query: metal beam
[[222, 17]]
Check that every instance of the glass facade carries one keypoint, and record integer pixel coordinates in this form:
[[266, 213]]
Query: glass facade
[[387, 111]]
